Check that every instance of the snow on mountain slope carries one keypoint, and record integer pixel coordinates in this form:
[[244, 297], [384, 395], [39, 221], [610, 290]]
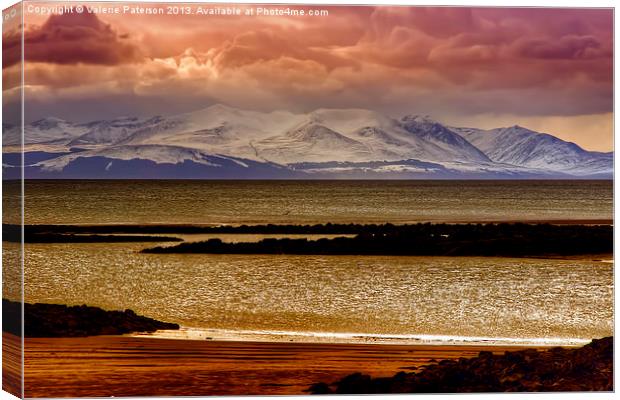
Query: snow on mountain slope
[[311, 142], [216, 129], [442, 137], [280, 141], [148, 162], [218, 115], [47, 130], [391, 139], [224, 139], [322, 135], [110, 132], [377, 138], [383, 137], [390, 145], [349, 120], [520, 146], [249, 124], [155, 153]]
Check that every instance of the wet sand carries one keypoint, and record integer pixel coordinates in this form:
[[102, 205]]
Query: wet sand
[[11, 364], [131, 366], [559, 221]]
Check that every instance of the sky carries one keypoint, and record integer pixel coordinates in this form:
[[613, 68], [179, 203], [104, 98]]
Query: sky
[[547, 69]]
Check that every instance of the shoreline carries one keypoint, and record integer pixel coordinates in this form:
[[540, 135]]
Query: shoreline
[[501, 240], [146, 366], [211, 225], [586, 368], [354, 338]]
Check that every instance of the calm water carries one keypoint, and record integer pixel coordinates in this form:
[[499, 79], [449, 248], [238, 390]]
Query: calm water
[[410, 296], [325, 297], [234, 202]]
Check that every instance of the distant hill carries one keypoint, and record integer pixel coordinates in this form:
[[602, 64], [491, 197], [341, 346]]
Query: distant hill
[[225, 142]]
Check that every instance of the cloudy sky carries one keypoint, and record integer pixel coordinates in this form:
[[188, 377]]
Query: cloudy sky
[[546, 69]]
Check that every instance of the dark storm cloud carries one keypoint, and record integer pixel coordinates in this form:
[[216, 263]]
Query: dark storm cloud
[[71, 39]]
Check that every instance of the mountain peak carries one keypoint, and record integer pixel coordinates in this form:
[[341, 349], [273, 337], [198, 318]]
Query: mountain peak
[[520, 128], [340, 114], [322, 136], [214, 109], [48, 120], [421, 119], [48, 123], [217, 108], [221, 107]]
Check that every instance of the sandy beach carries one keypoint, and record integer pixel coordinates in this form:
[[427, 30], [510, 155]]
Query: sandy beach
[[129, 366]]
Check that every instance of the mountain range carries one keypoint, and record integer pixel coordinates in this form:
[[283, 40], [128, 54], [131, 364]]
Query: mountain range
[[221, 142]]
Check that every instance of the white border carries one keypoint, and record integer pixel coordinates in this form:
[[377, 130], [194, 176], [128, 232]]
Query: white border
[[484, 3]]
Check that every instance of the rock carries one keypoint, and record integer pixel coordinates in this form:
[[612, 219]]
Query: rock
[[54, 320], [589, 368], [319, 388]]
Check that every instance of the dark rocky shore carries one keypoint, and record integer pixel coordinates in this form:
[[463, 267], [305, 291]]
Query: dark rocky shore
[[12, 233], [589, 368], [509, 240], [53, 320], [285, 229]]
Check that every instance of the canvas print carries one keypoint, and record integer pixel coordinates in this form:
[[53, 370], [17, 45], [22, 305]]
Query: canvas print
[[259, 199]]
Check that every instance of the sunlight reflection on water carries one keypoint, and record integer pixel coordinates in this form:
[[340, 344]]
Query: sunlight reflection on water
[[456, 296]]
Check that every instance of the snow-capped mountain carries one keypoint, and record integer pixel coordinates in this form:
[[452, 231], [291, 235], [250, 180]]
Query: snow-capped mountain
[[446, 140], [311, 142], [155, 153], [520, 146], [221, 141], [217, 129], [44, 131], [110, 132], [150, 162]]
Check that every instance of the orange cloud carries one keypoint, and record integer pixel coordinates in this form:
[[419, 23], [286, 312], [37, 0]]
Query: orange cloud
[[71, 39], [443, 61]]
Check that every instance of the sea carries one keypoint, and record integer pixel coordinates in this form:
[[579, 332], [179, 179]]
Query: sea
[[349, 299]]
